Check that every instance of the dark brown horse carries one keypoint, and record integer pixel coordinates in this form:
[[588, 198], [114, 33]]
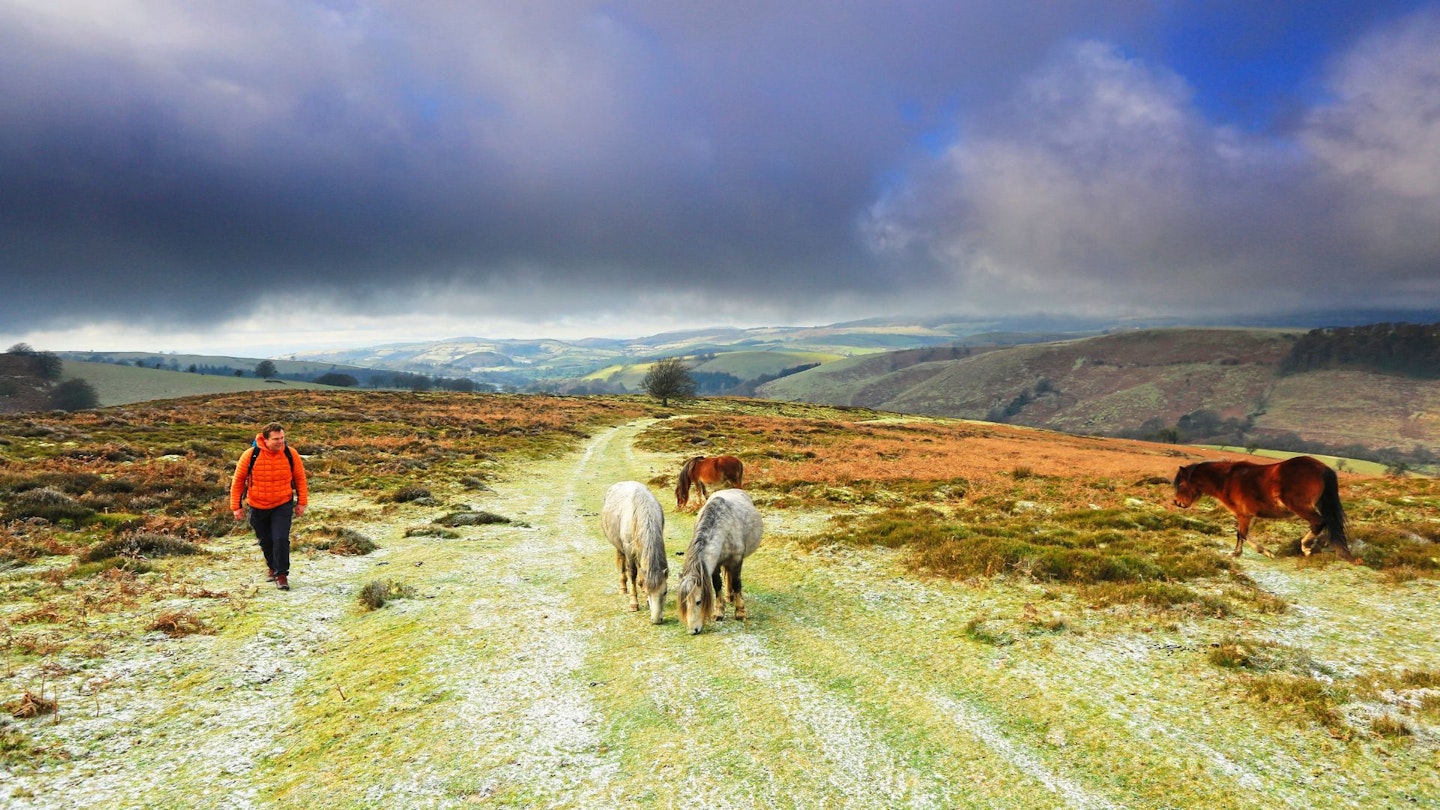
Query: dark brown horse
[[704, 472], [1300, 486]]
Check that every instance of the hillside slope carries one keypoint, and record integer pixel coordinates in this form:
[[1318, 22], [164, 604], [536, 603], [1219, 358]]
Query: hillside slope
[[1137, 381]]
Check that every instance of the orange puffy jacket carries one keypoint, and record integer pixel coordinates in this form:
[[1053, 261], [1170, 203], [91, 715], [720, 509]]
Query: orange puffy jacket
[[269, 484]]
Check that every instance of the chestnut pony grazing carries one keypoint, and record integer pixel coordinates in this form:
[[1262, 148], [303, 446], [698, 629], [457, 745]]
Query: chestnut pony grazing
[[635, 524], [703, 471], [1300, 486], [727, 530]]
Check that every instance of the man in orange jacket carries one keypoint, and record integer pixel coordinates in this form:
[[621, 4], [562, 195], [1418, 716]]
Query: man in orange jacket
[[271, 479]]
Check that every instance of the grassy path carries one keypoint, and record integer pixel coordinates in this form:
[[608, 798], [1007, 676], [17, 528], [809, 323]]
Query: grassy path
[[513, 676]]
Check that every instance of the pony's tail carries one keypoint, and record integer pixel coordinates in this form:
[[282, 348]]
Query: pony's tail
[[682, 484], [1334, 514]]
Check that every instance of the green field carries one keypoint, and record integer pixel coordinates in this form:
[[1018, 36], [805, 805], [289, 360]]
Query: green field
[[123, 385]]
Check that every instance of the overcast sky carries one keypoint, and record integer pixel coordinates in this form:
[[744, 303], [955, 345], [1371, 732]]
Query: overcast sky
[[257, 177]]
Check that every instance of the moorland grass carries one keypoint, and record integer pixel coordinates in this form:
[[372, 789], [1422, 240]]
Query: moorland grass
[[341, 540]]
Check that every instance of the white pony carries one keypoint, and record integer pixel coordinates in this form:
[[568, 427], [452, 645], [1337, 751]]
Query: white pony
[[635, 524], [727, 529]]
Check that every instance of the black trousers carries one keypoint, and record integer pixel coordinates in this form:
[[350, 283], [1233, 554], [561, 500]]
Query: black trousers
[[272, 530]]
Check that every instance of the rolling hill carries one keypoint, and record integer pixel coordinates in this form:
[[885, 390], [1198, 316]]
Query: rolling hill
[[562, 365], [1142, 383]]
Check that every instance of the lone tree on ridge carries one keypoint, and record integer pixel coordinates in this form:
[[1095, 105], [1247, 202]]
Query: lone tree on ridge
[[669, 379]]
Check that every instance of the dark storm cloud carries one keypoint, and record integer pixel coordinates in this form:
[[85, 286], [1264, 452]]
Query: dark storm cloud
[[178, 163]]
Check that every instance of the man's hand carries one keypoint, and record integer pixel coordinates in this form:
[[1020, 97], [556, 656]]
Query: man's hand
[[240, 513], [299, 509]]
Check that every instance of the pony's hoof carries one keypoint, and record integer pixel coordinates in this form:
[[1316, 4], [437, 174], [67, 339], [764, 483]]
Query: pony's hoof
[[634, 608]]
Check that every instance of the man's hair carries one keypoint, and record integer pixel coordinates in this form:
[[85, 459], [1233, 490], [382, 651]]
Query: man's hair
[[271, 428]]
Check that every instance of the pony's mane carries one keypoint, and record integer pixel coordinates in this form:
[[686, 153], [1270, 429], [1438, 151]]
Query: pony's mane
[[693, 574], [652, 550]]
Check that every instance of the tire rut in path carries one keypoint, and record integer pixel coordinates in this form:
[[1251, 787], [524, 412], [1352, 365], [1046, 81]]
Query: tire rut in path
[[531, 715]]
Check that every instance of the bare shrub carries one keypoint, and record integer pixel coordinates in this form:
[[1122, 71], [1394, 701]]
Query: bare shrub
[[31, 705], [178, 623]]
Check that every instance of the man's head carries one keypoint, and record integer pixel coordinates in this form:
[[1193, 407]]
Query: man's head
[[274, 434]]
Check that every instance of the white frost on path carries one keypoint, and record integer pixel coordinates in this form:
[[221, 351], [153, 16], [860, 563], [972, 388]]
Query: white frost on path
[[861, 768]]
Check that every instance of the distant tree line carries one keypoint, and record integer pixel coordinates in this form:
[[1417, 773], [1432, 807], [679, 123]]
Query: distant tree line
[[350, 378], [1395, 348], [46, 368]]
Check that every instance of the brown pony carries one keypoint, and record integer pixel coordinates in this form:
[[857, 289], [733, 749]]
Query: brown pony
[[707, 470], [1300, 486]]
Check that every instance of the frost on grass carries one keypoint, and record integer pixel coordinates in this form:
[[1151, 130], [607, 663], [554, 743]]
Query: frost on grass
[[984, 729], [525, 714], [862, 768]]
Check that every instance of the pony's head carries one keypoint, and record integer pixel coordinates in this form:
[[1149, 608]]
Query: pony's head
[[696, 601], [1186, 490]]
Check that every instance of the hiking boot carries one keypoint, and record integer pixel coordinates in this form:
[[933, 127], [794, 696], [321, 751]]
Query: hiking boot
[[271, 576], [282, 582]]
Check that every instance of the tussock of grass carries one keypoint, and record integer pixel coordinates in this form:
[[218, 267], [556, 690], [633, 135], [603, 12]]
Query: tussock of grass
[[431, 531], [1236, 652], [989, 630], [1160, 595], [1421, 678], [377, 592], [1409, 547], [48, 504], [141, 546], [15, 747], [340, 540], [1052, 551], [1388, 725], [473, 518], [1304, 697], [407, 494]]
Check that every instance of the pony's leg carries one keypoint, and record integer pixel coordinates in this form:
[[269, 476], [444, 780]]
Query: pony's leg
[[1261, 549], [620, 564], [1307, 543], [1242, 533], [633, 574], [719, 614], [736, 594]]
